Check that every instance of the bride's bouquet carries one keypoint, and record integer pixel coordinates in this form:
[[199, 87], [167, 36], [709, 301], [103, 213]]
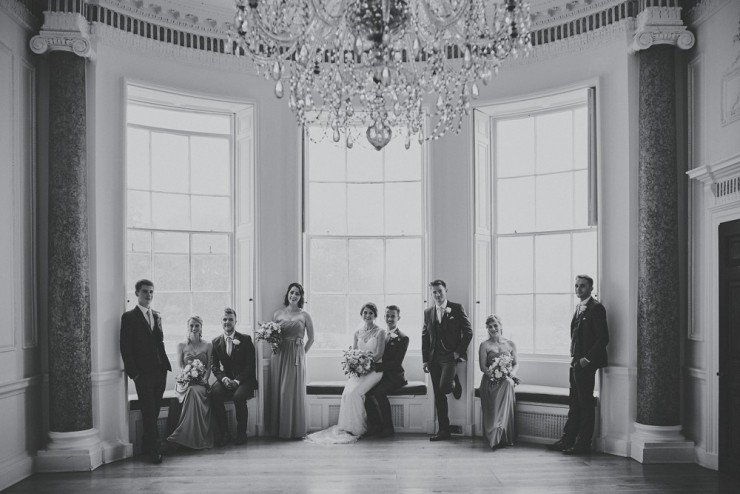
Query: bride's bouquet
[[357, 362], [500, 369], [192, 373], [270, 332]]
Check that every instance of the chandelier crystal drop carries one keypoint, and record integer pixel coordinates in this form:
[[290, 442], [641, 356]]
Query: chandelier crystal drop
[[388, 65]]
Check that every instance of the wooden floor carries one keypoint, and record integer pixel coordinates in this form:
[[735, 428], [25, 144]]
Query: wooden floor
[[407, 463]]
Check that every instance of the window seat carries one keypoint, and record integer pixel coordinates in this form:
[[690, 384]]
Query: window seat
[[335, 388], [550, 395]]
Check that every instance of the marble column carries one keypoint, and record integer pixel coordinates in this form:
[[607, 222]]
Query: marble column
[[658, 437], [74, 443]]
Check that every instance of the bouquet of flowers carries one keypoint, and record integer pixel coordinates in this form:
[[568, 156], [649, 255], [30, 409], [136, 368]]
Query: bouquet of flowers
[[500, 369], [270, 332], [192, 373], [357, 362]]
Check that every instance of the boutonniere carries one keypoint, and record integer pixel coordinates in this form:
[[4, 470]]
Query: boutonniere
[[393, 336], [235, 342], [448, 310]]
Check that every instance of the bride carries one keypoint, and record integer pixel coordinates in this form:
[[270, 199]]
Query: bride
[[352, 418]]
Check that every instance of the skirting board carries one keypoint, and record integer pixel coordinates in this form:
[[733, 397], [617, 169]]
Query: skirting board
[[15, 469], [707, 460]]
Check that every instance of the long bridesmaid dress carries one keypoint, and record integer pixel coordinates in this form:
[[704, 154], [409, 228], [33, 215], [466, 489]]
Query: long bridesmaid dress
[[497, 404], [195, 428], [288, 383]]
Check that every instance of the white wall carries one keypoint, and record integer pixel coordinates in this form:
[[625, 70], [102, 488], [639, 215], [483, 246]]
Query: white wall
[[20, 365], [713, 88]]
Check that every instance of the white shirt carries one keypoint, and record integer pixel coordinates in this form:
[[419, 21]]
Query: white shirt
[[147, 315], [440, 311], [229, 339], [582, 305]]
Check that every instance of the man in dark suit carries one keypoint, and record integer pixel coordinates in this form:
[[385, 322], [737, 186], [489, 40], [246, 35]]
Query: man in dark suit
[[233, 364], [444, 342], [379, 419], [589, 336], [145, 361]]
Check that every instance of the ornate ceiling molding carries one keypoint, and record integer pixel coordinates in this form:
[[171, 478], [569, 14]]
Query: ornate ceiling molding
[[661, 26], [570, 11], [163, 14], [63, 31], [20, 13]]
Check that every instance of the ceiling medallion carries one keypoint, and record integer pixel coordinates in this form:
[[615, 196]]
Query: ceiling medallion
[[383, 64]]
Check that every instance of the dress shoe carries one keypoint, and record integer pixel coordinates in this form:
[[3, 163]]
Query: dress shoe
[[578, 449], [441, 436], [387, 432], [457, 389], [240, 439], [561, 445], [155, 457]]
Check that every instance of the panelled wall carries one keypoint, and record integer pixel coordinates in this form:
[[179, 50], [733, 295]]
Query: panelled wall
[[20, 366]]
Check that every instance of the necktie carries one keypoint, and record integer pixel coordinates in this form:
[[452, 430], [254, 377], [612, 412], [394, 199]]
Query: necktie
[[229, 345], [439, 314], [149, 318]]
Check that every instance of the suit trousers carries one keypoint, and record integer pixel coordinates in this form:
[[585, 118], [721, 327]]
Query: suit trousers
[[378, 407], [442, 372], [150, 388], [219, 395], [579, 428]]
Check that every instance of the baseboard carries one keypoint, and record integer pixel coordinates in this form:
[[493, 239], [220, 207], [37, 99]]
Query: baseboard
[[617, 446], [118, 450], [15, 469], [707, 460]]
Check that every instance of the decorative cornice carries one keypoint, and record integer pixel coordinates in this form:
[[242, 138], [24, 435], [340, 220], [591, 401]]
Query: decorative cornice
[[575, 9], [164, 16], [703, 10], [20, 14], [661, 26], [711, 174], [63, 31]]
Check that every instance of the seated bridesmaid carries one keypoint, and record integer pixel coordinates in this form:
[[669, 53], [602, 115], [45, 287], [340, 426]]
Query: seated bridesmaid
[[194, 430], [288, 366], [497, 397]]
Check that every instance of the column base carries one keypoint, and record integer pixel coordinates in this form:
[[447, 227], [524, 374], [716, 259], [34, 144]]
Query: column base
[[116, 450], [78, 451], [661, 444]]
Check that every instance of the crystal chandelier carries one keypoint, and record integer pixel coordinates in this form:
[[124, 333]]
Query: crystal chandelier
[[376, 63]]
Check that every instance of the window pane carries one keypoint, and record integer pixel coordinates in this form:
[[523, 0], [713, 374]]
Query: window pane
[[210, 244], [365, 209], [514, 147], [584, 256], [138, 209], [554, 142], [354, 304], [175, 310], [329, 266], [514, 265], [172, 272], [171, 243], [211, 213], [211, 272], [138, 241], [326, 160], [553, 313], [138, 266], [403, 208], [515, 205], [329, 315], [552, 264], [170, 167], [580, 138], [178, 119], [554, 202], [327, 209], [170, 211], [366, 266], [210, 165], [364, 163], [137, 158], [580, 197], [516, 313], [403, 266], [210, 307], [402, 163]]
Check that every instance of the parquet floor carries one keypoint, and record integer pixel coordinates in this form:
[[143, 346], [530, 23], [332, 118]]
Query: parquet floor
[[404, 464]]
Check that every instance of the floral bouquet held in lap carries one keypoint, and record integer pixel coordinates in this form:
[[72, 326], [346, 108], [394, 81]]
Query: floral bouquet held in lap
[[357, 362], [500, 369], [270, 332], [192, 373]]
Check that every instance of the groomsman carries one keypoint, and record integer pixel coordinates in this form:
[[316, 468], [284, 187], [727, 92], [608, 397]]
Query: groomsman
[[145, 361], [233, 364], [444, 343], [379, 420], [589, 336]]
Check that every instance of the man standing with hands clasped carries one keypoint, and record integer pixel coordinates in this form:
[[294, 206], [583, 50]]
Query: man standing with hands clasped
[[444, 342], [589, 336]]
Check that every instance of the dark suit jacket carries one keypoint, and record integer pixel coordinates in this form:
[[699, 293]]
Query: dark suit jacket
[[240, 365], [455, 325], [391, 366], [142, 348], [589, 334]]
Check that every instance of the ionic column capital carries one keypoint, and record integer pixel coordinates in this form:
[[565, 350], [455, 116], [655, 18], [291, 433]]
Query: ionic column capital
[[661, 26], [63, 31]]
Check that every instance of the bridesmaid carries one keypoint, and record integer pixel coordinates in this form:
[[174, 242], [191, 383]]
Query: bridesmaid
[[497, 400], [194, 430], [288, 366]]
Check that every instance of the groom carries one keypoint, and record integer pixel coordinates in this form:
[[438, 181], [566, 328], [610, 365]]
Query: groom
[[379, 420], [233, 364], [444, 342]]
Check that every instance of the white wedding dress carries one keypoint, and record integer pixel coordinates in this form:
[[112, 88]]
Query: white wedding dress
[[352, 417]]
